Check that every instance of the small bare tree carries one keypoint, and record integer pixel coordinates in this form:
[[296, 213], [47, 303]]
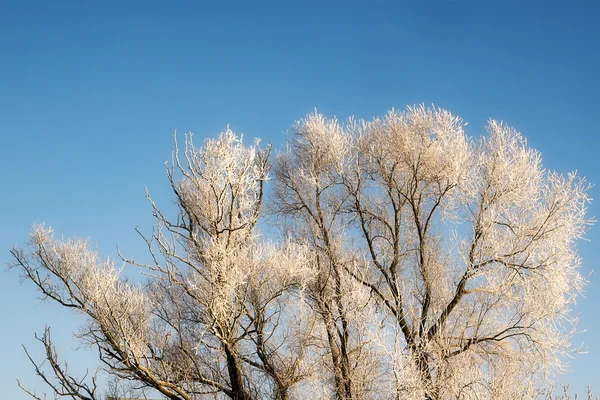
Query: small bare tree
[[308, 178], [413, 263]]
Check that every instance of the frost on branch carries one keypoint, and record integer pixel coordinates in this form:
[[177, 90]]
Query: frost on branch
[[412, 262]]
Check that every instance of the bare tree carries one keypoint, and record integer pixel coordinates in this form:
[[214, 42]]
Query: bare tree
[[308, 179], [470, 250], [413, 263]]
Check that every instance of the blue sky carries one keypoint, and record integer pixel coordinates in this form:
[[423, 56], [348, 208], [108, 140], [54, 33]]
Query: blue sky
[[91, 92]]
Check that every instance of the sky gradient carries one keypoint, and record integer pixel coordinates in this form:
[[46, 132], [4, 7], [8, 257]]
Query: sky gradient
[[91, 93]]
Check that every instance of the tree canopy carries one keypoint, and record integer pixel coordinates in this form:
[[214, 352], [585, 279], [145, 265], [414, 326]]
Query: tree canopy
[[410, 262]]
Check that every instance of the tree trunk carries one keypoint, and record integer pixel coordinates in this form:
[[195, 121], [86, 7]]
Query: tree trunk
[[235, 374]]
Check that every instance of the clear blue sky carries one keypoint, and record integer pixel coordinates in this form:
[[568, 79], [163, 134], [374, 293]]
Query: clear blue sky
[[90, 93]]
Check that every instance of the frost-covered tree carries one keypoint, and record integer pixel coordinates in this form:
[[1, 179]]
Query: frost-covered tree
[[413, 262]]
